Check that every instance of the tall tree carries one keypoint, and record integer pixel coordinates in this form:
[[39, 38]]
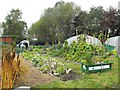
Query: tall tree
[[89, 23], [54, 25], [109, 24], [79, 22], [1, 32], [117, 33], [14, 25]]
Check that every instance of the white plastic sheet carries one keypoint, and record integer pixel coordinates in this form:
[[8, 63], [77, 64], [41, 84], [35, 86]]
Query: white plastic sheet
[[89, 40], [114, 41]]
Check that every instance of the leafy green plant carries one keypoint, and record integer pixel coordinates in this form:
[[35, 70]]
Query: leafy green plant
[[80, 51]]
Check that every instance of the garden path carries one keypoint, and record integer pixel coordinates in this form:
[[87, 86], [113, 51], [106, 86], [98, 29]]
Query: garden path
[[33, 76]]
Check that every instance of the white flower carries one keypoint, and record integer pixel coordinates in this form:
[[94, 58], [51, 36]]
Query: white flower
[[102, 62], [52, 65], [38, 68], [98, 62]]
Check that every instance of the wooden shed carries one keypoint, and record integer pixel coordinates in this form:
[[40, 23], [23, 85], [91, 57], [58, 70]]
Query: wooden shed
[[5, 39]]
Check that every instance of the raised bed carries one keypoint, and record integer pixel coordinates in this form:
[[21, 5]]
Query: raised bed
[[96, 68]]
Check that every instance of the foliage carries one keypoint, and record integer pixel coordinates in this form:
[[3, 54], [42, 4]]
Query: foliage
[[54, 24], [63, 21], [47, 64], [114, 52], [1, 29], [98, 20], [104, 80], [110, 23], [14, 26], [80, 52], [56, 50]]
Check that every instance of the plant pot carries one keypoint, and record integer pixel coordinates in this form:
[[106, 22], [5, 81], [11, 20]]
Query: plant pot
[[96, 68]]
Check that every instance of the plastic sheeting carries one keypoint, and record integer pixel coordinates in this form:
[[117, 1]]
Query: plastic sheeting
[[114, 41], [89, 40]]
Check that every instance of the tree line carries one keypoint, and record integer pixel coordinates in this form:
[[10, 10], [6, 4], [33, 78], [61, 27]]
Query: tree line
[[62, 21]]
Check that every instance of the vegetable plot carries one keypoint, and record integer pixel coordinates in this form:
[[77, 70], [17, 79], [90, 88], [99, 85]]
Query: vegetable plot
[[82, 52], [51, 65], [60, 59]]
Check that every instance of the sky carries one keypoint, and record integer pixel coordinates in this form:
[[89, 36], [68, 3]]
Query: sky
[[32, 9]]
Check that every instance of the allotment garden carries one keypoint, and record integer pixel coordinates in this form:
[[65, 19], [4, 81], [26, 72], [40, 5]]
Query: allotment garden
[[78, 65]]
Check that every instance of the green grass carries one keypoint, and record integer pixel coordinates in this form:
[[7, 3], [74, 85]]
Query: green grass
[[108, 79]]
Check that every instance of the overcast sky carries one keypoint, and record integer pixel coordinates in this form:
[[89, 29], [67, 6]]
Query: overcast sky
[[32, 9]]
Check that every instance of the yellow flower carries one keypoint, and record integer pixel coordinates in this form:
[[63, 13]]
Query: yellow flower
[[47, 49], [84, 61], [114, 52]]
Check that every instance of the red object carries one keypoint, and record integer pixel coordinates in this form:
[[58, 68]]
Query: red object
[[6, 39]]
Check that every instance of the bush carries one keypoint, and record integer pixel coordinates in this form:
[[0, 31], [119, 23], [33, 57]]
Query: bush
[[79, 51]]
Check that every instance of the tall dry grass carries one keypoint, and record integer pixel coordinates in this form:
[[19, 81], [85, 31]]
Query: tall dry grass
[[11, 70]]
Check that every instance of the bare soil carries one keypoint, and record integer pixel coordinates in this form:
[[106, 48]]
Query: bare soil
[[32, 75]]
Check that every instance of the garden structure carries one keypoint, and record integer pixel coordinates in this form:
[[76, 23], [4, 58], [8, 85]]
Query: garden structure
[[5, 39], [96, 67], [113, 42], [89, 39]]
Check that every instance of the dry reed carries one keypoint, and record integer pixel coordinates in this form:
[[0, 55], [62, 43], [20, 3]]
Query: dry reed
[[11, 69]]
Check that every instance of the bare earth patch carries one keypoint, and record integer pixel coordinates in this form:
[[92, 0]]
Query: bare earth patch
[[33, 76]]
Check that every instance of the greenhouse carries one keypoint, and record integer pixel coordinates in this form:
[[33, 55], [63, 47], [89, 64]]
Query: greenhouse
[[114, 42], [89, 40]]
